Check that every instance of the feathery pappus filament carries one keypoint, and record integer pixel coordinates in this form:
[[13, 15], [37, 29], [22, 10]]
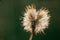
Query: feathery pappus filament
[[35, 21]]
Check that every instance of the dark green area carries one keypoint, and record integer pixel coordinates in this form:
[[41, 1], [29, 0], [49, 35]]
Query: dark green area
[[11, 27]]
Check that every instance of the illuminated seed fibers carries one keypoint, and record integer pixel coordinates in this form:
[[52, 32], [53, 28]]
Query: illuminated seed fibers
[[35, 21]]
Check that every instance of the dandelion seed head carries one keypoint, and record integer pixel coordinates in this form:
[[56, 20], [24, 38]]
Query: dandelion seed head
[[41, 16]]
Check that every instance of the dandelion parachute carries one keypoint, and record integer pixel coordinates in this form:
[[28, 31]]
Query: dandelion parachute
[[35, 21]]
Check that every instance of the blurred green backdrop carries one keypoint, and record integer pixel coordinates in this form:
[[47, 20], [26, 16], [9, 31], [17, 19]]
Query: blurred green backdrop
[[11, 27]]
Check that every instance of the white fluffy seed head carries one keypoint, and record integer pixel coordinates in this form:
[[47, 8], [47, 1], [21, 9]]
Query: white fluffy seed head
[[41, 16]]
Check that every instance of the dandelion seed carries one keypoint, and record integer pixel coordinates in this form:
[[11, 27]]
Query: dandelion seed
[[35, 21]]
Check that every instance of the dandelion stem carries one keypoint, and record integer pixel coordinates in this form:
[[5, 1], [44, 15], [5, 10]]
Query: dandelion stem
[[31, 37]]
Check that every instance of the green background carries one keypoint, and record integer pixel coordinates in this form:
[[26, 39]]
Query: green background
[[11, 27]]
